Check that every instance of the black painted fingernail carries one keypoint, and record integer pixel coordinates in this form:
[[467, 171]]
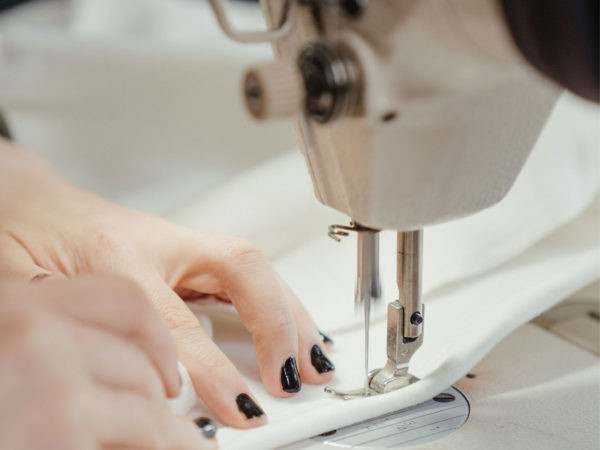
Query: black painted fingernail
[[326, 339], [319, 360], [207, 427], [247, 406], [290, 379]]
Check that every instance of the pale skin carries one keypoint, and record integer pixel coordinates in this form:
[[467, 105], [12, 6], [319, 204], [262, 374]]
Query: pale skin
[[84, 364], [51, 230]]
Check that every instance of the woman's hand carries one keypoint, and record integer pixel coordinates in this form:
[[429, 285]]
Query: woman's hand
[[50, 230], [84, 364]]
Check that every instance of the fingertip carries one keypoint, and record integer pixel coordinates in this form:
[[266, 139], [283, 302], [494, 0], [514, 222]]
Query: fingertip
[[253, 415], [254, 423], [315, 365], [290, 376], [320, 361]]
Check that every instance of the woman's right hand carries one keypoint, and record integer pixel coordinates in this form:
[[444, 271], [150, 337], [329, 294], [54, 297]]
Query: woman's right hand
[[86, 363]]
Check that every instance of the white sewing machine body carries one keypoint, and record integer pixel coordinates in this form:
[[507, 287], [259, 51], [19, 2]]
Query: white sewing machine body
[[429, 114]]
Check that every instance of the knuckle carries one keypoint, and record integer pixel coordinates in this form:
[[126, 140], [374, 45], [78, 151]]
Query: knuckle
[[218, 368], [176, 318], [278, 324], [243, 250], [149, 326]]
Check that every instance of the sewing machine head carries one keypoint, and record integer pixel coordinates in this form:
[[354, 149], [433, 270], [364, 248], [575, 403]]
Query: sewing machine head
[[409, 113]]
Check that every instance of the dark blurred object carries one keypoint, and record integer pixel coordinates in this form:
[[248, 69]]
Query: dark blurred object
[[206, 426], [5, 4], [560, 38], [4, 130]]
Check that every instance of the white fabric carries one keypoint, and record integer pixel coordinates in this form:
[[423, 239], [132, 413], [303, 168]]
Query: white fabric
[[187, 397]]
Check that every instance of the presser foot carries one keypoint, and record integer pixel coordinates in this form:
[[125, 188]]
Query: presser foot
[[380, 381], [389, 378], [364, 391]]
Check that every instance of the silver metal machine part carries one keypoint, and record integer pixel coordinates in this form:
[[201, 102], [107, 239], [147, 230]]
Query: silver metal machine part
[[368, 288], [419, 424], [409, 266], [368, 285], [405, 317]]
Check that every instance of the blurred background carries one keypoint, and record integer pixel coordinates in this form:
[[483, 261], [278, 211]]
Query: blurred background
[[136, 100]]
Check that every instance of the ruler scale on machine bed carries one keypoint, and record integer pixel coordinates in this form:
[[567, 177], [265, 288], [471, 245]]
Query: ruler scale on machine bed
[[419, 424]]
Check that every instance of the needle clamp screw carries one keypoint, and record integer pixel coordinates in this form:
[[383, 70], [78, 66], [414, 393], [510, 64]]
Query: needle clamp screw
[[416, 319]]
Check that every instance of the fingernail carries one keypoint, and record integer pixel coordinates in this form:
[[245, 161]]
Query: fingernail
[[206, 426], [290, 379], [319, 360], [326, 339], [247, 406]]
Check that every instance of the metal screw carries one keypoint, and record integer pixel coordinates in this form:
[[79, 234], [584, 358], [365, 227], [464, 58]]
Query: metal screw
[[353, 8], [416, 319]]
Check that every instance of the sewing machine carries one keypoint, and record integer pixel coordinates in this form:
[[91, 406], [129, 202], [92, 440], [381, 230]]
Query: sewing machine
[[397, 106]]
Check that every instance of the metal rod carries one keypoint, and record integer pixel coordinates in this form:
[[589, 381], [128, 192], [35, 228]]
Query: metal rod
[[410, 248], [367, 326], [368, 287]]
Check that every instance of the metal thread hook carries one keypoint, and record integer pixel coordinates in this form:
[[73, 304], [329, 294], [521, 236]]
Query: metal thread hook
[[336, 231], [288, 17]]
